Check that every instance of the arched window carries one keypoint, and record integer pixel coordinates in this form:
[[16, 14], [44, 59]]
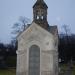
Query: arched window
[[34, 60]]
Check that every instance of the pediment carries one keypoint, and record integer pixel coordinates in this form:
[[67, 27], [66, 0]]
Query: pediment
[[36, 35], [35, 30]]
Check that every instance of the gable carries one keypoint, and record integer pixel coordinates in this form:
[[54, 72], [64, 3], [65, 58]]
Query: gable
[[34, 28], [36, 35]]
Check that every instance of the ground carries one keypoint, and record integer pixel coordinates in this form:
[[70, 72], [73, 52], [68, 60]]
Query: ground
[[65, 71], [8, 72]]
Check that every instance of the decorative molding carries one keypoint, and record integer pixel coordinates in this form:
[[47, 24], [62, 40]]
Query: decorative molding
[[46, 73], [50, 51], [19, 52]]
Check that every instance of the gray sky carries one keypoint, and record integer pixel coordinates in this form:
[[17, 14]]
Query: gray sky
[[59, 12]]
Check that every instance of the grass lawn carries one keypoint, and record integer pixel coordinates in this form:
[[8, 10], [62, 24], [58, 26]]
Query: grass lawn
[[13, 71], [8, 72], [64, 69]]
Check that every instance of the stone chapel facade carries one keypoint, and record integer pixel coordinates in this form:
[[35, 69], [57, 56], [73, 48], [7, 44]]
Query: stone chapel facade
[[37, 52]]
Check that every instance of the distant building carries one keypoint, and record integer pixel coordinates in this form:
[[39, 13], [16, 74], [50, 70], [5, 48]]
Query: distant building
[[37, 52]]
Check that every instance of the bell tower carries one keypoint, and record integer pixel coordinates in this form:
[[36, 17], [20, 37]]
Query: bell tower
[[40, 13]]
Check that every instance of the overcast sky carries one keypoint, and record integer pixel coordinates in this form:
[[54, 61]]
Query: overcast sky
[[59, 12]]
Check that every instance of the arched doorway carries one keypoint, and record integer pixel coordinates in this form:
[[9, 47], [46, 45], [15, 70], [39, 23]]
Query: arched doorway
[[34, 60]]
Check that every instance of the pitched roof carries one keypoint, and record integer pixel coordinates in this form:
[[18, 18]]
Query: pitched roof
[[41, 4]]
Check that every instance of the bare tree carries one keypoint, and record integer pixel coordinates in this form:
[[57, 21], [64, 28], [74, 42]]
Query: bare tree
[[66, 29], [20, 26], [67, 33], [68, 40]]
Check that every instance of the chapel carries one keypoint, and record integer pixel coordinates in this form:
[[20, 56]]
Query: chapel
[[37, 52]]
